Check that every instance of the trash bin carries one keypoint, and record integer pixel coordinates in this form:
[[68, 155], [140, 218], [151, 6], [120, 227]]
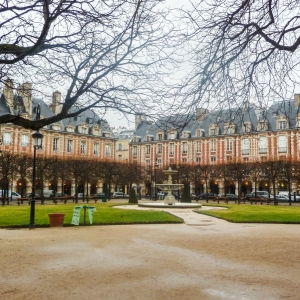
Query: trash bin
[[56, 219], [104, 199]]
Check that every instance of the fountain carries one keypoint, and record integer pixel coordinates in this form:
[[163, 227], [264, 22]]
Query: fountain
[[169, 200]]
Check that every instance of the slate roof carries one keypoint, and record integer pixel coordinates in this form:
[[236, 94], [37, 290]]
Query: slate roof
[[87, 116], [236, 116]]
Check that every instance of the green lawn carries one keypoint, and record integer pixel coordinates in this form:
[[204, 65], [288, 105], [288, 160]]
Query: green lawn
[[18, 216], [257, 213]]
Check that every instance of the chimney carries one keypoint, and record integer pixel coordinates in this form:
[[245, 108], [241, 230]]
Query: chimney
[[201, 113], [25, 91], [56, 100], [138, 119], [8, 94], [297, 100]]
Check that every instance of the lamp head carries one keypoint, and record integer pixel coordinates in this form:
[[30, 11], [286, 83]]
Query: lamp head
[[37, 139]]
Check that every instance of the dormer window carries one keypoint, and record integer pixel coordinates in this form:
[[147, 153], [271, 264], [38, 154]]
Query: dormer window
[[282, 122], [229, 128], [262, 126], [107, 134], [136, 139], [246, 127], [172, 135], [198, 133], [83, 130], [149, 138], [186, 134], [160, 136]]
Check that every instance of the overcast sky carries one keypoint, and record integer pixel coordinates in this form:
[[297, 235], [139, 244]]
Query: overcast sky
[[116, 119]]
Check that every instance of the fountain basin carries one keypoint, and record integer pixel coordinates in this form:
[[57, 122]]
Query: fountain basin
[[169, 187], [164, 206]]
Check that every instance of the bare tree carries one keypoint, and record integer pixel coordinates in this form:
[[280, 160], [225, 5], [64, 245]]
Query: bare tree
[[241, 51], [102, 54]]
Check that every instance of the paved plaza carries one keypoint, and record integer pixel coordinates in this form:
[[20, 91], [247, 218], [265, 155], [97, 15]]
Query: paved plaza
[[204, 258]]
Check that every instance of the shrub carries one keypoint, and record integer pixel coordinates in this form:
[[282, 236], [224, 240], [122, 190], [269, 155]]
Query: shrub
[[186, 197], [132, 196]]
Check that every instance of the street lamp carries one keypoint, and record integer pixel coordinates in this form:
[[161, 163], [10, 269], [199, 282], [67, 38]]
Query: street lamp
[[37, 144], [155, 190]]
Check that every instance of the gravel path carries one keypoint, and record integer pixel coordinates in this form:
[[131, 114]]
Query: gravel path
[[205, 258]]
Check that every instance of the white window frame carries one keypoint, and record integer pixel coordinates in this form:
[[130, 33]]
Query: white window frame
[[229, 144], [55, 144], [282, 144], [107, 150], [213, 145], [184, 147], [148, 149], [96, 148], [172, 149], [134, 150], [198, 146], [83, 147], [159, 148], [7, 138], [263, 145], [70, 146], [24, 140], [120, 146], [282, 124], [245, 146]]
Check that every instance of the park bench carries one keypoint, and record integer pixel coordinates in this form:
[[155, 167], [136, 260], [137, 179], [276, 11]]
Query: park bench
[[22, 200], [91, 198], [259, 200]]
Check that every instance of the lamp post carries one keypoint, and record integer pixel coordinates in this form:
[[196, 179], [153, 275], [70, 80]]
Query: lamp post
[[155, 191], [37, 144]]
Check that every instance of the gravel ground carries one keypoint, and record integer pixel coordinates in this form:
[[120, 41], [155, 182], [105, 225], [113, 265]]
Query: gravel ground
[[205, 258]]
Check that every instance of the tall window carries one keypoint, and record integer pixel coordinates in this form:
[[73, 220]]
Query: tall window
[[96, 148], [212, 131], [7, 138], [82, 147], [159, 148], [213, 145], [83, 130], [184, 147], [55, 144], [263, 145], [198, 147], [134, 150], [172, 136], [245, 147], [172, 147], [24, 140], [107, 150], [282, 143], [159, 163], [198, 133], [120, 147], [160, 136], [147, 149], [229, 144], [70, 146]]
